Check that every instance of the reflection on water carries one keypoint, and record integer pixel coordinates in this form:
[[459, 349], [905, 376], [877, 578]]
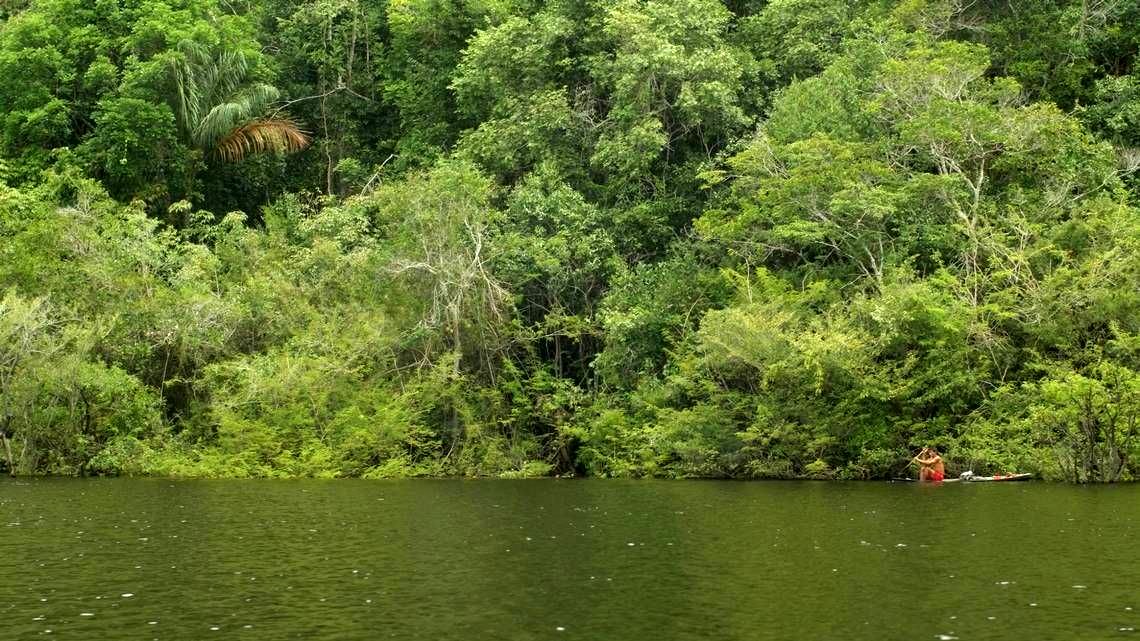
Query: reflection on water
[[151, 559]]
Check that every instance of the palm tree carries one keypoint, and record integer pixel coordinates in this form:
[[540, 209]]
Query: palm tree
[[221, 111]]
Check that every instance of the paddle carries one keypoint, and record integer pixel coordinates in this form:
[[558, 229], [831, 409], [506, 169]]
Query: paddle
[[913, 460]]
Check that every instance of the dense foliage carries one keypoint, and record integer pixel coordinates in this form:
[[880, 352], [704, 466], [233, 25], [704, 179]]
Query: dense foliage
[[796, 238]]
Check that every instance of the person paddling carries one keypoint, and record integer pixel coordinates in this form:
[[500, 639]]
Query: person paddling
[[930, 465]]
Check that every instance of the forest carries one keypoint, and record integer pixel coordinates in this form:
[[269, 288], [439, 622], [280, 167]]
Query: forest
[[614, 238]]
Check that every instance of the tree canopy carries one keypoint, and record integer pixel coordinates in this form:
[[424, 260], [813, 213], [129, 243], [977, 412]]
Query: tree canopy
[[785, 239]]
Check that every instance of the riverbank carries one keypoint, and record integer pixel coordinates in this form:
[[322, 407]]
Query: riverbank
[[143, 462]]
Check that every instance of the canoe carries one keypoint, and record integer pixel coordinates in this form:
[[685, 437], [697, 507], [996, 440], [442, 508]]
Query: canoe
[[999, 477], [968, 477]]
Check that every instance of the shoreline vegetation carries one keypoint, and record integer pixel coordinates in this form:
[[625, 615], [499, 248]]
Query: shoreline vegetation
[[622, 238]]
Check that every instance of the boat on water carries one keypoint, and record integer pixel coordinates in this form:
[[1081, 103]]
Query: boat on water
[[970, 477], [1024, 476]]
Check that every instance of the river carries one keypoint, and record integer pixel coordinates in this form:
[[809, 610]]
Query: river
[[105, 559]]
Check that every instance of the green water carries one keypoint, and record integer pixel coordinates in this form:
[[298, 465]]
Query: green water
[[598, 560]]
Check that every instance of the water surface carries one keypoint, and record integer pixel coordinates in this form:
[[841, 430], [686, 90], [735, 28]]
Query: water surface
[[598, 560]]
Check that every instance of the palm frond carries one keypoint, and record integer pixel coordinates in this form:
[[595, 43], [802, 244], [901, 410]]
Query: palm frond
[[220, 109], [243, 107], [229, 73], [266, 135], [190, 68], [205, 80]]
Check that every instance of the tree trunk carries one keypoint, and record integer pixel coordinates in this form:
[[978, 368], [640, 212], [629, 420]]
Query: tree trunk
[[8, 451], [457, 345], [558, 355]]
